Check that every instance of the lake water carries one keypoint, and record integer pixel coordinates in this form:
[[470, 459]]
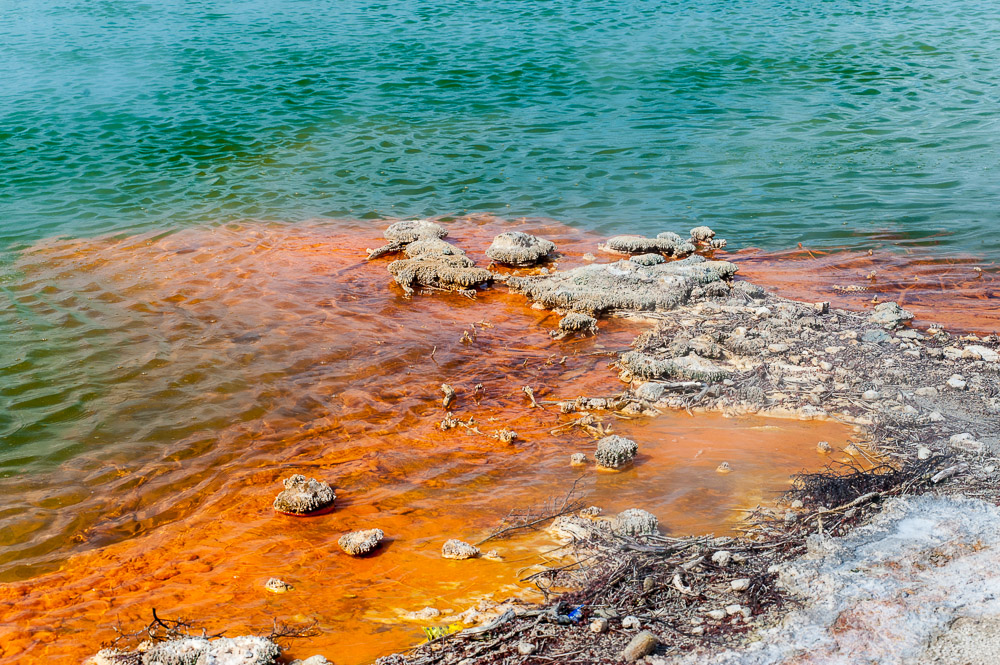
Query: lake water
[[186, 193], [780, 121]]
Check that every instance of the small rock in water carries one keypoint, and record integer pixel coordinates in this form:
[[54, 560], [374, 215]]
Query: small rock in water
[[515, 248], [631, 623], [923, 452], [852, 450], [589, 257], [957, 381], [614, 452], [599, 626], [525, 648], [741, 584], [578, 459], [722, 558], [505, 435], [303, 495], [576, 322], [274, 585], [359, 543], [634, 522], [723, 468], [702, 234], [457, 549], [641, 646], [824, 448]]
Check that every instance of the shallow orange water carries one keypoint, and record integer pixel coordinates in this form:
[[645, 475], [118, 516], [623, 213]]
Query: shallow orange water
[[175, 380], [961, 293]]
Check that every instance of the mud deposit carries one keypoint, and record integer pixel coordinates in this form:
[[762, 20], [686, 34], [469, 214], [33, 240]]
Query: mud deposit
[[175, 380]]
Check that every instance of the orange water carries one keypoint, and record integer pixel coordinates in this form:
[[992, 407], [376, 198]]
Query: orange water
[[961, 293], [175, 380]]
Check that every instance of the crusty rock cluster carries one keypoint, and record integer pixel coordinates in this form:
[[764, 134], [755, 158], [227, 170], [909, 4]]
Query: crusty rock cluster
[[303, 495], [515, 248], [614, 452]]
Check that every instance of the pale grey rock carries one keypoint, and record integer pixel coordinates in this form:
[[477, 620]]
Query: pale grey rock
[[634, 522], [414, 229], [515, 248], [245, 650], [359, 543], [457, 549], [889, 314]]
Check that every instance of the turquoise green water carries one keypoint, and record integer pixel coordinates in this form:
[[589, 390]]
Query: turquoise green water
[[777, 121]]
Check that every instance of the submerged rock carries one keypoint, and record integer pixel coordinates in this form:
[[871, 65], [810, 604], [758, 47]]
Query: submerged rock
[[359, 543], [442, 271], [889, 314], [303, 495], [625, 285], [634, 522], [457, 549], [515, 248], [614, 452]]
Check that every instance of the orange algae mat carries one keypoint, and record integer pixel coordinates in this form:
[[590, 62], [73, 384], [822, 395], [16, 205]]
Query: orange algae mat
[[220, 360]]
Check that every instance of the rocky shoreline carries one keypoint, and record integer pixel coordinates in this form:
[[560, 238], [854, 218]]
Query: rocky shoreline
[[926, 402]]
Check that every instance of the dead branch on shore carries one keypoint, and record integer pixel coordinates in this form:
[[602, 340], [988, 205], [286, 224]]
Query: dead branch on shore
[[519, 520]]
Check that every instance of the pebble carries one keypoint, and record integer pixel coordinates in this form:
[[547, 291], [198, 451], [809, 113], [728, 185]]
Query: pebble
[[824, 448], [777, 348], [935, 417], [274, 585], [722, 558], [741, 584], [641, 646], [599, 626], [825, 366], [923, 452], [957, 381], [718, 615], [698, 630], [631, 623], [525, 648], [797, 503], [723, 468], [734, 609], [870, 395], [928, 391], [578, 459], [832, 350]]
